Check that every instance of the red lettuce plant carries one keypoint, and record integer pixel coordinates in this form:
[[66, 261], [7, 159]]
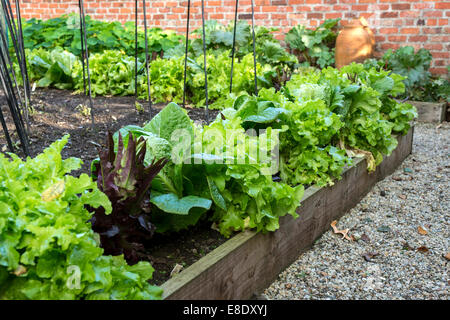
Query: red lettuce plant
[[124, 178]]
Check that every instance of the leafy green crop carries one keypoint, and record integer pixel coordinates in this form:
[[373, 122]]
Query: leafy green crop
[[174, 208], [314, 46], [414, 67], [219, 72], [47, 247], [248, 196], [112, 73], [307, 128], [64, 32], [50, 68], [240, 195], [219, 39], [166, 76], [308, 155]]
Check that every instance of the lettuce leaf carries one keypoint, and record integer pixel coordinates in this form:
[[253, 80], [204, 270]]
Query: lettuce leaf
[[47, 247]]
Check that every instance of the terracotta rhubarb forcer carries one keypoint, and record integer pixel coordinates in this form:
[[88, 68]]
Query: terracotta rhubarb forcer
[[355, 43]]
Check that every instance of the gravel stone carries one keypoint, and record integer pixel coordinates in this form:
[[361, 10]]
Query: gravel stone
[[416, 194]]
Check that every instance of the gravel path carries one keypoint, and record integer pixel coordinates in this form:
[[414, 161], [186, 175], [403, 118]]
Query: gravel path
[[401, 260]]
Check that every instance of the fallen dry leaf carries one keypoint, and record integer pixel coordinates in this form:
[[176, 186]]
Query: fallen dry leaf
[[396, 178], [176, 270], [447, 256], [20, 270], [422, 249], [365, 238], [368, 256], [215, 227], [343, 232], [422, 231]]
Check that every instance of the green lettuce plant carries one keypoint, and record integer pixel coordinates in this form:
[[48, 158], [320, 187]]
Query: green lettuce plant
[[50, 67], [47, 247], [64, 31]]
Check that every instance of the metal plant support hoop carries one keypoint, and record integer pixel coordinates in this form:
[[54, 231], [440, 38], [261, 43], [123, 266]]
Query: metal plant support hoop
[[17, 105]]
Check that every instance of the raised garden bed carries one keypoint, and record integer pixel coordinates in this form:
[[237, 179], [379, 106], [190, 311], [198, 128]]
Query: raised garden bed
[[430, 111], [249, 262]]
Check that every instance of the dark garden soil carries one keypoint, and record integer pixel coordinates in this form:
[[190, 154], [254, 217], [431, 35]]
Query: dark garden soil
[[58, 112]]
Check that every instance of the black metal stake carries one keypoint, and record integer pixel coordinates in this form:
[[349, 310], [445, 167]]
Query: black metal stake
[[234, 45], [136, 49], [13, 105], [12, 30], [83, 25], [17, 103], [186, 52], [8, 78], [5, 130], [82, 50], [204, 62], [25, 78], [254, 48], [146, 63]]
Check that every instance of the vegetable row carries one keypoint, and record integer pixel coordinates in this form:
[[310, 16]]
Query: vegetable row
[[53, 51]]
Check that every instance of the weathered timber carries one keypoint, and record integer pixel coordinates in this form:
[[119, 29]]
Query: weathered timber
[[249, 262], [430, 111]]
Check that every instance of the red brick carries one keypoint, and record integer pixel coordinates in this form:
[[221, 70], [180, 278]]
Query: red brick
[[438, 70], [418, 38], [361, 7], [410, 30], [442, 5], [389, 14], [401, 6], [388, 30], [397, 38], [420, 23], [436, 14]]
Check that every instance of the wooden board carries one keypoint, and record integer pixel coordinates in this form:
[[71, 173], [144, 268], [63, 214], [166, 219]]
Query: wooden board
[[430, 111], [249, 262]]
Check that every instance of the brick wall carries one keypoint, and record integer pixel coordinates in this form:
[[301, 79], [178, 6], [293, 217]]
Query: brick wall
[[396, 23]]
